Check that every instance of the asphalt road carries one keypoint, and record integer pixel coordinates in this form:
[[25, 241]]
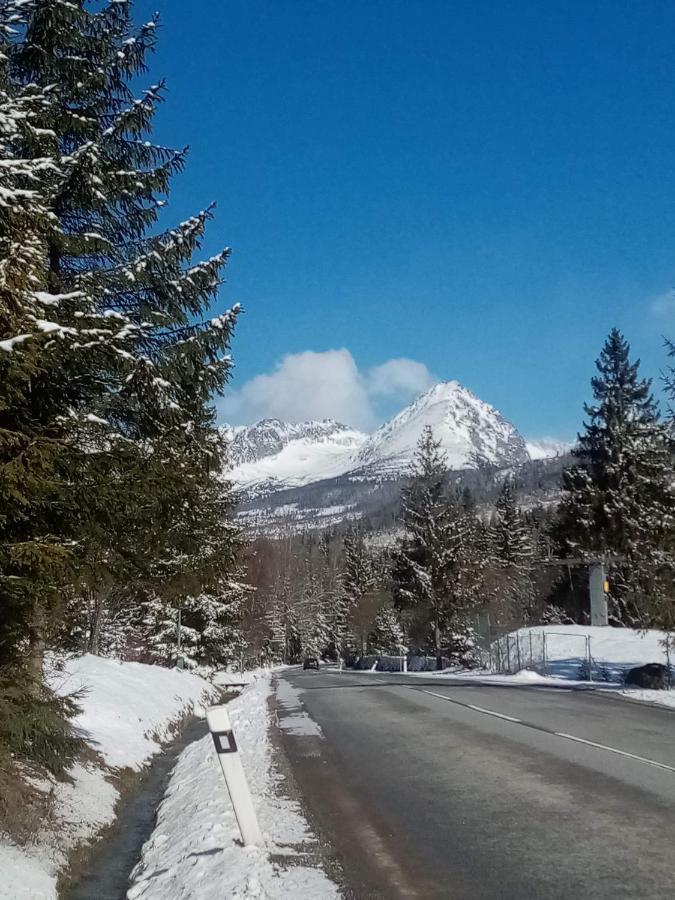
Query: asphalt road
[[426, 789]]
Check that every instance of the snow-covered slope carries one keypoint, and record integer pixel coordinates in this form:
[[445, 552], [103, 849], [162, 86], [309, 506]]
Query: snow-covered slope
[[273, 455], [548, 448], [468, 430]]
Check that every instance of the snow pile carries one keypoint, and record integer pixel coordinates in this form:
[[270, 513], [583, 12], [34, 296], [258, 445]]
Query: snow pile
[[127, 707], [195, 850]]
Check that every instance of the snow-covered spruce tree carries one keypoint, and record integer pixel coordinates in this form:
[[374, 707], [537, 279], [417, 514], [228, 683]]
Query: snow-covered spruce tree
[[511, 560], [139, 398], [387, 634], [314, 630], [618, 498], [106, 361], [359, 596], [34, 557], [436, 571], [195, 567], [209, 628], [276, 620]]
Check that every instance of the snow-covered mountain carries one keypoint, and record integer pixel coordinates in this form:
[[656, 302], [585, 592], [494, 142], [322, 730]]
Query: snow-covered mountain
[[273, 455], [468, 430], [548, 448]]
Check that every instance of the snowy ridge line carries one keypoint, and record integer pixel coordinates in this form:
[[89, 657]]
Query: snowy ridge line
[[561, 734], [272, 455]]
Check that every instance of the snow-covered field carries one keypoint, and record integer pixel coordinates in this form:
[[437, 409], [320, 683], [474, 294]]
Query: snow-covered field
[[126, 710], [195, 851]]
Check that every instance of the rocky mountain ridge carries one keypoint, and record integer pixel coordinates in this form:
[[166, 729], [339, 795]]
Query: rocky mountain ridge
[[272, 455]]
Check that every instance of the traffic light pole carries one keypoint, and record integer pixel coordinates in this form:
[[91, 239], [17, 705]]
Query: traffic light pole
[[596, 590]]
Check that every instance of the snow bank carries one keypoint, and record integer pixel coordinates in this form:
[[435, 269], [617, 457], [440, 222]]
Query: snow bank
[[126, 707], [194, 851]]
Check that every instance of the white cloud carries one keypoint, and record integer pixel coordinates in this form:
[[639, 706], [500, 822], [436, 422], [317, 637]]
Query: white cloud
[[663, 305], [324, 385], [399, 376]]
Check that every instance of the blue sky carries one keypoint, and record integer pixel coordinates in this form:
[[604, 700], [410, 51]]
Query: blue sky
[[482, 188]]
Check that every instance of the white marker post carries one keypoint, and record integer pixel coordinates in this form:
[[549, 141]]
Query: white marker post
[[404, 658], [233, 772]]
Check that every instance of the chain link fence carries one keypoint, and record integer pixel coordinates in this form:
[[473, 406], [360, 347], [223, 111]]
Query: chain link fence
[[565, 653]]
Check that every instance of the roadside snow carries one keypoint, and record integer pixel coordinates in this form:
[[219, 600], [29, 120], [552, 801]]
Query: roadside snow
[[126, 708], [129, 707], [295, 719], [195, 850], [661, 698]]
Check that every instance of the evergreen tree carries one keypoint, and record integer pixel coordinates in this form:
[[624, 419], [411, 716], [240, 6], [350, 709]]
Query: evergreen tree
[[359, 582], [436, 568], [617, 499], [139, 397], [387, 635], [108, 355], [512, 556]]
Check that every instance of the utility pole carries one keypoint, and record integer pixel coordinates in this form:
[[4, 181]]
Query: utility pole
[[597, 588]]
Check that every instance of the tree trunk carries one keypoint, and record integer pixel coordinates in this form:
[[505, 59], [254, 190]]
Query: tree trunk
[[37, 644], [439, 650], [96, 610]]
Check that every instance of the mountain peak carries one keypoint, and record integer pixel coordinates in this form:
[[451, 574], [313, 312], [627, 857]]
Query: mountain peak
[[272, 455], [468, 430]]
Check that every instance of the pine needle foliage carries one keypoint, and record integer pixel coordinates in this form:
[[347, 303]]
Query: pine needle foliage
[[437, 569], [109, 352], [618, 499]]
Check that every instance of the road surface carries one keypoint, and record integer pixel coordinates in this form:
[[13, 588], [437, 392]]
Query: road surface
[[431, 789]]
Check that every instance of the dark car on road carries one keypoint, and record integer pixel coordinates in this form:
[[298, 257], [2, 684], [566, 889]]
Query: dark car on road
[[311, 663]]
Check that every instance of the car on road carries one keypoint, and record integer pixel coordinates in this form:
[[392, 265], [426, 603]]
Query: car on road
[[311, 663]]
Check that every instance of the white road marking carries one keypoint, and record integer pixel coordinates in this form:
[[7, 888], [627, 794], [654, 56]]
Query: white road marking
[[560, 734], [488, 712], [642, 759], [491, 712]]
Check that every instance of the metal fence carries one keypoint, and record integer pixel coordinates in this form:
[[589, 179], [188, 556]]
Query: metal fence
[[569, 656]]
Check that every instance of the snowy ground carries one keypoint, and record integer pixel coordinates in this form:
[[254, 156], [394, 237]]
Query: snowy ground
[[613, 652], [126, 710], [195, 851]]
